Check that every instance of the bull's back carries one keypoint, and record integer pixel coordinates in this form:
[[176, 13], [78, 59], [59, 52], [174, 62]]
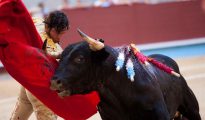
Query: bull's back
[[171, 86], [166, 60]]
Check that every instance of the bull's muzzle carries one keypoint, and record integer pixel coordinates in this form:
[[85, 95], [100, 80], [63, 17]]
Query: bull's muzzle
[[56, 85]]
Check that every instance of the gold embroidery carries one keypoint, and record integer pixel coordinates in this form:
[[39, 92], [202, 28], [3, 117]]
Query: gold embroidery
[[51, 46]]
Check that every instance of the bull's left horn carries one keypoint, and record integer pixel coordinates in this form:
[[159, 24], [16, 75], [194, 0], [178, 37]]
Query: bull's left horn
[[94, 44]]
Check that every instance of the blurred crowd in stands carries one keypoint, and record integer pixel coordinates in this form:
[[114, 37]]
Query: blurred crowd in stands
[[107, 3], [43, 7], [95, 3]]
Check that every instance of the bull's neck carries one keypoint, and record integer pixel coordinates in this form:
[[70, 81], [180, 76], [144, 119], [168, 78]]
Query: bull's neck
[[116, 82], [106, 68]]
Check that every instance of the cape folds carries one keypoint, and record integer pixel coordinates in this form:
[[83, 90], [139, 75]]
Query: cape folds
[[22, 57]]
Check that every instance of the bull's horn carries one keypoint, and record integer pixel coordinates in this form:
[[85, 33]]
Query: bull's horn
[[94, 44]]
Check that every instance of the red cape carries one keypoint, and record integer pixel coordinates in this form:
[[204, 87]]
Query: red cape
[[22, 57]]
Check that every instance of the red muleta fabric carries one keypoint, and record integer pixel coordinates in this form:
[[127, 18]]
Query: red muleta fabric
[[22, 57]]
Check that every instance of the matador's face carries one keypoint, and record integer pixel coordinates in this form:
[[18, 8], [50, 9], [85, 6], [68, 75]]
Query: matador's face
[[55, 35]]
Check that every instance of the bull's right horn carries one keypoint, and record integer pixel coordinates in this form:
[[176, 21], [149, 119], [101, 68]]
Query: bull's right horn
[[94, 44]]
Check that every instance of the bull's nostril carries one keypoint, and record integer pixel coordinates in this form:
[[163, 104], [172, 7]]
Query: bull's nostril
[[53, 85], [58, 81]]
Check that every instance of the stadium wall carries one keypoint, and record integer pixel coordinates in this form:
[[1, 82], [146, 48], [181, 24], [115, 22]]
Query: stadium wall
[[138, 23]]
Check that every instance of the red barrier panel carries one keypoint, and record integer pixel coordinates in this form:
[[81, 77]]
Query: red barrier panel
[[138, 23]]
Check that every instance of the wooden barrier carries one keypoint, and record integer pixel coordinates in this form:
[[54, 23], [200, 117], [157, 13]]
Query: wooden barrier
[[138, 23]]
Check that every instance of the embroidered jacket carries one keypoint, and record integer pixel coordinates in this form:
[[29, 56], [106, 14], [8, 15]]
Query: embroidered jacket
[[53, 49]]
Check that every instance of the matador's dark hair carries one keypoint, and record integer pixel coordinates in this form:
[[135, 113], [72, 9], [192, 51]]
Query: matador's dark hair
[[57, 20]]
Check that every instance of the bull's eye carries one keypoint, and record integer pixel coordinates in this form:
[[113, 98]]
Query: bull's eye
[[79, 59]]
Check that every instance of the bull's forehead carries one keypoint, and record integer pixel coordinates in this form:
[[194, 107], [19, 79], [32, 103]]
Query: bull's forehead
[[82, 47]]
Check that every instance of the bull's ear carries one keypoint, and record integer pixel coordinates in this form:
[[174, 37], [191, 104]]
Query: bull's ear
[[99, 56]]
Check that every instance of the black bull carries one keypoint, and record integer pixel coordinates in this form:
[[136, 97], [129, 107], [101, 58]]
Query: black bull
[[154, 94]]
